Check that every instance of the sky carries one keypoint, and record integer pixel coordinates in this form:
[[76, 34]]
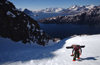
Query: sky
[[42, 4]]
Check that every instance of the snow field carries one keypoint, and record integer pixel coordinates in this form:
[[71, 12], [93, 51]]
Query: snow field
[[55, 54]]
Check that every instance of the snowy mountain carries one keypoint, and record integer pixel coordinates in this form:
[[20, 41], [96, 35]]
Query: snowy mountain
[[28, 12], [44, 13], [12, 53], [18, 26], [90, 17], [90, 6], [80, 8], [52, 12]]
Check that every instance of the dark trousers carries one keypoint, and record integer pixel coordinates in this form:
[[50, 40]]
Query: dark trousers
[[76, 55]]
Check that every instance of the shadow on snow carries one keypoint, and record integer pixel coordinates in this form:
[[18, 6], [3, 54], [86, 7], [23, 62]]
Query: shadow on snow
[[33, 53], [89, 58]]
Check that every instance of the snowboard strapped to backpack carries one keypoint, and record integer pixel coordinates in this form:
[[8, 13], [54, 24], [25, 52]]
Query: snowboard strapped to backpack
[[70, 47]]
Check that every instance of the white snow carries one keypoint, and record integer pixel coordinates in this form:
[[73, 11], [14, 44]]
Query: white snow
[[19, 14], [24, 15], [75, 7], [37, 30], [28, 25], [41, 32], [90, 6], [12, 53], [50, 10], [10, 13], [33, 25]]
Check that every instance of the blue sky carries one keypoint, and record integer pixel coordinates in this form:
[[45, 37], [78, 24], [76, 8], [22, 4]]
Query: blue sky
[[42, 4]]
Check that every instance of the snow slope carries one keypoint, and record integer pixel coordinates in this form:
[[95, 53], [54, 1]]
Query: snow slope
[[19, 54]]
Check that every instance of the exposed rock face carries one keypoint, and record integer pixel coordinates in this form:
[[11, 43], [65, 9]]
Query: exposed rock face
[[18, 26]]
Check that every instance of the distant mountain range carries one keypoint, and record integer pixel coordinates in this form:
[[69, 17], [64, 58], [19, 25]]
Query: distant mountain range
[[42, 14], [52, 12], [87, 15]]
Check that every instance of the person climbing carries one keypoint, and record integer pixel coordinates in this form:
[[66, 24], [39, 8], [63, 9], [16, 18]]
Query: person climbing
[[76, 52]]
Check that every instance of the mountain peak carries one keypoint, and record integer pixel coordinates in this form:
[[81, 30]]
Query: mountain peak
[[81, 8], [90, 6], [75, 7], [50, 10]]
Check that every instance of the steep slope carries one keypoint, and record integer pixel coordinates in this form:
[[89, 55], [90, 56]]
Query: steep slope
[[18, 26], [51, 55]]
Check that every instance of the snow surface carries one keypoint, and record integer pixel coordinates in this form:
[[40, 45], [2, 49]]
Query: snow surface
[[15, 53], [10, 13], [90, 6], [28, 25]]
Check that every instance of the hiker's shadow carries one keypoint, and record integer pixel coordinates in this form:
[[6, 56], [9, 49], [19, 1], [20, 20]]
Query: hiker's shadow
[[89, 58]]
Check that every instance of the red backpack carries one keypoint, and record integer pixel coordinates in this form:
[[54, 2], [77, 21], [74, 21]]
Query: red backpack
[[77, 48]]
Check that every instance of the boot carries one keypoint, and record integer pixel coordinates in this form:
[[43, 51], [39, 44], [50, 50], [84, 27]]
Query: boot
[[72, 55], [74, 60]]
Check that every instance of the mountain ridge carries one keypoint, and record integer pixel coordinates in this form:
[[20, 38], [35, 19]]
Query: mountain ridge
[[52, 12], [18, 26], [89, 17]]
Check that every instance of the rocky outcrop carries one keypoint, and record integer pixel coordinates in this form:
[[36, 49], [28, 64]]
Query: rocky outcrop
[[18, 26]]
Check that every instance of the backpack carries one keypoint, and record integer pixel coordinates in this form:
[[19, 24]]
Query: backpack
[[77, 48]]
